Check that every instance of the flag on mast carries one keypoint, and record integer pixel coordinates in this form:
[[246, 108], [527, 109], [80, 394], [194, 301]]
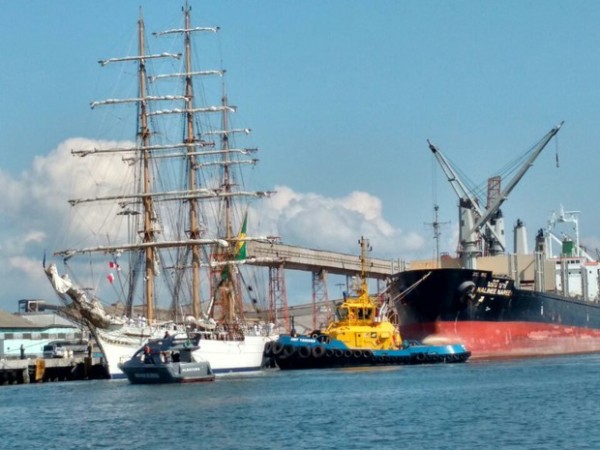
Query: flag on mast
[[240, 248]]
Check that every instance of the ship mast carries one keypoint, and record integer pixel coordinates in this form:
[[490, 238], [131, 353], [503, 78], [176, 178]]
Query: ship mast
[[190, 143], [224, 258], [190, 139], [228, 302], [148, 232], [437, 233], [363, 290], [147, 200], [226, 175]]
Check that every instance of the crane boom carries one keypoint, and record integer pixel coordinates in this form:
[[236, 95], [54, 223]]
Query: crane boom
[[451, 174], [466, 199], [472, 217], [512, 183]]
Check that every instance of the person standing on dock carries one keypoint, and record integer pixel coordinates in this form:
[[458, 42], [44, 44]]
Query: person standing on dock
[[22, 352]]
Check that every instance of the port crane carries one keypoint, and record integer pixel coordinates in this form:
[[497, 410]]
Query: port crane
[[473, 218]]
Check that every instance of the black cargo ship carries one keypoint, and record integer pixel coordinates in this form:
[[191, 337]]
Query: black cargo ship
[[491, 316]]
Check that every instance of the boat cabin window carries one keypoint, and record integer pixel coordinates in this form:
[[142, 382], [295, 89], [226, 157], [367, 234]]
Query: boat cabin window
[[185, 356], [343, 313]]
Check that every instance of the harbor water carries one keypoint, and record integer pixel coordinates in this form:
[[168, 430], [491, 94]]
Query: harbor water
[[545, 403]]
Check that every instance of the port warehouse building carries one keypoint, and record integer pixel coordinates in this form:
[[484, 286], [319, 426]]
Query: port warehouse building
[[34, 326]]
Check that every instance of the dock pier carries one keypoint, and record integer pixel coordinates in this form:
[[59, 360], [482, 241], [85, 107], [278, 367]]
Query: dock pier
[[38, 370]]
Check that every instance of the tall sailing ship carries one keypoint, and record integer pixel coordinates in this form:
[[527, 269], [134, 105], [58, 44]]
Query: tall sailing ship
[[500, 304], [186, 215]]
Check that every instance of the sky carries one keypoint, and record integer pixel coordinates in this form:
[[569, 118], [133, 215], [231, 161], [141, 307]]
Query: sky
[[341, 96]]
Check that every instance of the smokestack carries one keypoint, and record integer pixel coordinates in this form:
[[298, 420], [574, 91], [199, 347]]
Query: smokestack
[[520, 239]]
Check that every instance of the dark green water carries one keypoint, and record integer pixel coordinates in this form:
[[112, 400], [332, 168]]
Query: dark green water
[[546, 403]]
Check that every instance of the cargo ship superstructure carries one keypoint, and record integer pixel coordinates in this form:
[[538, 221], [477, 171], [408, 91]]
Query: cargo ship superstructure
[[503, 304]]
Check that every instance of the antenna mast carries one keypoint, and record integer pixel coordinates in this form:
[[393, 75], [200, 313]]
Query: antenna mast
[[436, 224]]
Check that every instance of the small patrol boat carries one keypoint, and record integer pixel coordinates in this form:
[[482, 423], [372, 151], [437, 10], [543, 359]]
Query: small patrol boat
[[167, 360], [361, 335]]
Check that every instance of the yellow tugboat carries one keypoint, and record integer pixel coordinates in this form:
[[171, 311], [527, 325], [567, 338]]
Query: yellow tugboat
[[361, 335]]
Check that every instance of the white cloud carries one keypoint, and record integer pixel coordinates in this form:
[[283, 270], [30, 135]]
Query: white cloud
[[32, 268], [36, 213], [34, 236], [37, 217], [336, 224]]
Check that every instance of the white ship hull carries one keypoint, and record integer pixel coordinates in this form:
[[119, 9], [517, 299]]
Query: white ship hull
[[225, 356]]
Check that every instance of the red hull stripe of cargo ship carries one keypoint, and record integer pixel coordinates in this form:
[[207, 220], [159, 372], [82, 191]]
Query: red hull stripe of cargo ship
[[508, 339]]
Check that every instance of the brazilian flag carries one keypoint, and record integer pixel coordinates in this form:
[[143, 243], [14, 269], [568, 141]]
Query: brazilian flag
[[240, 248], [224, 274]]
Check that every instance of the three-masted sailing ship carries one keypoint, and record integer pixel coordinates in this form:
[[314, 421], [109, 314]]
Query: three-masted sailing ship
[[182, 225]]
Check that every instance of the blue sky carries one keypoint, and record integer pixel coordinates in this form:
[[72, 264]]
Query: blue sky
[[341, 96]]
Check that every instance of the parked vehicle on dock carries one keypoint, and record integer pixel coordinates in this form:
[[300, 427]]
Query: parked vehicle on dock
[[63, 349]]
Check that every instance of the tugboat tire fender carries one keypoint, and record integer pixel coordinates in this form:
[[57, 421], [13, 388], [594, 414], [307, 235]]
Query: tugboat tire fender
[[288, 350], [318, 351], [268, 349], [338, 353], [276, 349], [421, 357], [304, 352]]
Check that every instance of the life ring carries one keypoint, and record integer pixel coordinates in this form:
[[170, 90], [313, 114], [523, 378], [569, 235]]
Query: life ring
[[318, 351], [277, 348]]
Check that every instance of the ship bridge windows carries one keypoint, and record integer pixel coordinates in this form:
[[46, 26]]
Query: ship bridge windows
[[365, 313], [343, 313]]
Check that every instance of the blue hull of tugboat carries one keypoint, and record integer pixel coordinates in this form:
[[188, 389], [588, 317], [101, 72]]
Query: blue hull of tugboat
[[305, 352]]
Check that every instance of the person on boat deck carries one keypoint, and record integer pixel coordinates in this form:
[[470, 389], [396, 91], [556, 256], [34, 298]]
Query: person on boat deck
[[148, 355], [166, 335]]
